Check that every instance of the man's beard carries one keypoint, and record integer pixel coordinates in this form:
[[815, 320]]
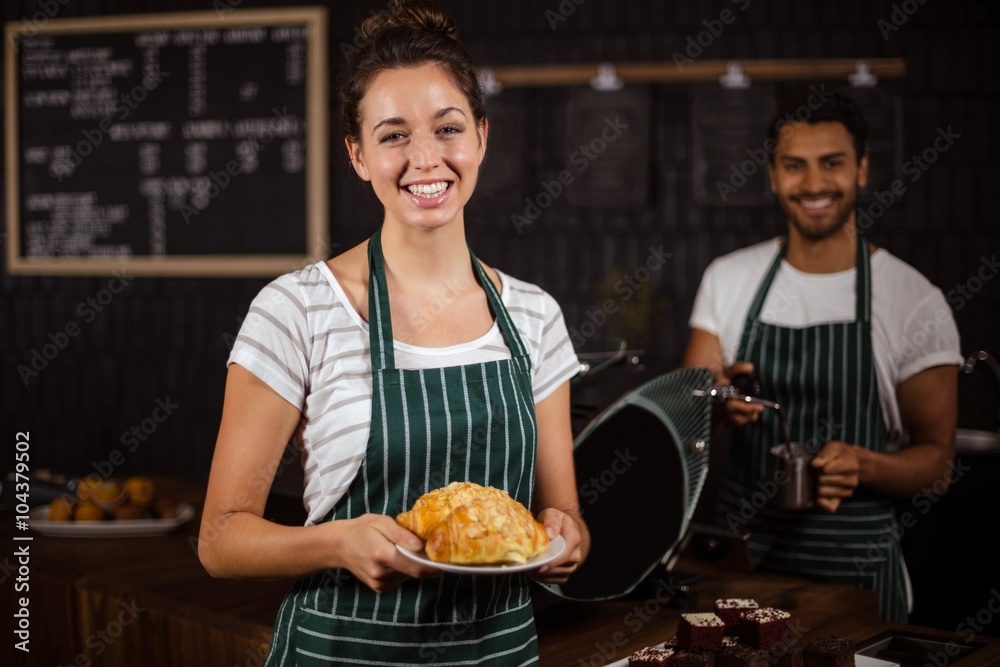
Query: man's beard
[[813, 229]]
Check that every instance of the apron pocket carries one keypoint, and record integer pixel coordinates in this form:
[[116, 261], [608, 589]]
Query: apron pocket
[[321, 639]]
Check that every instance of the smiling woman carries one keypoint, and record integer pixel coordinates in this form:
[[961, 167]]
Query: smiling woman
[[420, 146], [402, 365]]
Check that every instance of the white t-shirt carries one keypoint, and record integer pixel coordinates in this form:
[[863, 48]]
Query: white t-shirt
[[912, 324], [303, 338]]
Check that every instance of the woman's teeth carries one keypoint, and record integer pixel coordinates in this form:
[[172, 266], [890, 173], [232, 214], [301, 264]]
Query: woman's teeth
[[428, 190], [816, 203]]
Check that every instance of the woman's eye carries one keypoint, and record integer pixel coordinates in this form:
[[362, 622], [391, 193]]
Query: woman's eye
[[450, 129], [389, 138]]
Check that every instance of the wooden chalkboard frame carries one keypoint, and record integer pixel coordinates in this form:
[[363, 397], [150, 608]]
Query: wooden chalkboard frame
[[244, 265]]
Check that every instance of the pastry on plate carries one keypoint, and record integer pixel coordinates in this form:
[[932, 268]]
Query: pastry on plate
[[468, 524]]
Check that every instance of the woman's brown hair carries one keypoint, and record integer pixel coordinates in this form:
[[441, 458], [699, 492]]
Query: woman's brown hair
[[412, 33]]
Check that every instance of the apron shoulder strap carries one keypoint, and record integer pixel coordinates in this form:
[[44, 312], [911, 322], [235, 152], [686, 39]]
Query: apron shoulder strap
[[379, 321], [750, 326], [863, 290], [506, 324]]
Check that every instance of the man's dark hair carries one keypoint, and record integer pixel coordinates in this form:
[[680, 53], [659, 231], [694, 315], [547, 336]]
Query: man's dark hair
[[818, 106]]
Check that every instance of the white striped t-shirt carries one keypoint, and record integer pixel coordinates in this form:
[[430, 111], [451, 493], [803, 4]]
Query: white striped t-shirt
[[303, 338]]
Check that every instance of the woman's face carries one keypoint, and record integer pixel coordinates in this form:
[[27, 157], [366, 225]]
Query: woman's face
[[420, 146]]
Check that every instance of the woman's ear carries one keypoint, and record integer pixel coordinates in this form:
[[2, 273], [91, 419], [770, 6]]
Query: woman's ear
[[357, 159], [483, 129]]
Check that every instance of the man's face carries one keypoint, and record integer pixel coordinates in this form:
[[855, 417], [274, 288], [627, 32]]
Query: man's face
[[815, 176]]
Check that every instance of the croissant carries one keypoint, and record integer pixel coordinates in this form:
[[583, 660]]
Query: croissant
[[469, 524]]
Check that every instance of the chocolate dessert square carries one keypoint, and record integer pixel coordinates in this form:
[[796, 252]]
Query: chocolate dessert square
[[700, 632], [766, 627], [829, 652], [788, 654], [741, 656], [731, 611], [651, 655], [688, 658]]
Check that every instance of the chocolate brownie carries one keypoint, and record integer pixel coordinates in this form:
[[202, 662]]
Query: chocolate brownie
[[788, 654], [766, 627], [651, 655], [700, 632], [741, 656], [689, 658], [829, 652], [731, 611]]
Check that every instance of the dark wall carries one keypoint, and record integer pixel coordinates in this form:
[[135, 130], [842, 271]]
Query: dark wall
[[166, 340]]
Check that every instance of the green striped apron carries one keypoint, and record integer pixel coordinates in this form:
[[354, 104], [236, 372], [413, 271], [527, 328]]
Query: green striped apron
[[823, 376], [429, 428]]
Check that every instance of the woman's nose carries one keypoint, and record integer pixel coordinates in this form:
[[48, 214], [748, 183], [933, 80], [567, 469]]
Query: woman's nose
[[424, 152]]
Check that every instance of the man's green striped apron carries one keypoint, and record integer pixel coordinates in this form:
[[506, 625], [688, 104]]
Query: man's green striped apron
[[429, 428], [824, 378]]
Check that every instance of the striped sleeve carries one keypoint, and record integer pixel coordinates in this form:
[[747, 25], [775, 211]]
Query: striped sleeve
[[273, 342], [556, 361]]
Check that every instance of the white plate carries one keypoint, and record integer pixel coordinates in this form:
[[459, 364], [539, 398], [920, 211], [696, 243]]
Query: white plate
[[556, 547], [859, 661], [865, 661], [39, 522]]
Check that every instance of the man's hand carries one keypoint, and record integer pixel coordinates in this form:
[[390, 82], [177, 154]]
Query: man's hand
[[732, 412], [838, 469]]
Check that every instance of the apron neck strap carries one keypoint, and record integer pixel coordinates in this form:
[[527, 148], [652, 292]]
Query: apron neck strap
[[863, 284], [863, 291], [380, 320]]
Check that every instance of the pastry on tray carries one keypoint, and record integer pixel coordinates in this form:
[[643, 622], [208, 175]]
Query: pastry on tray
[[468, 524]]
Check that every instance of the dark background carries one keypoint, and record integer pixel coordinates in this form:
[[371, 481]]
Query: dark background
[[168, 339]]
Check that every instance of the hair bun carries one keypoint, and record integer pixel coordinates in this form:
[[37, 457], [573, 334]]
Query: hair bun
[[417, 15]]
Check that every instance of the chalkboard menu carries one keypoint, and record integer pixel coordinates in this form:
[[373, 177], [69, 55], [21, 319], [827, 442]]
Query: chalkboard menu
[[883, 113], [607, 134], [729, 145], [170, 144]]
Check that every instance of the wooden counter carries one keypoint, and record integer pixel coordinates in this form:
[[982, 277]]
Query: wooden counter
[[147, 601]]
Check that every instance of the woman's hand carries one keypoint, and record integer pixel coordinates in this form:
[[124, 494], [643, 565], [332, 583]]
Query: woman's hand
[[557, 522], [367, 547]]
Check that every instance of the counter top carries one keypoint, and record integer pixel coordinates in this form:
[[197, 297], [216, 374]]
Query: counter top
[[148, 601]]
